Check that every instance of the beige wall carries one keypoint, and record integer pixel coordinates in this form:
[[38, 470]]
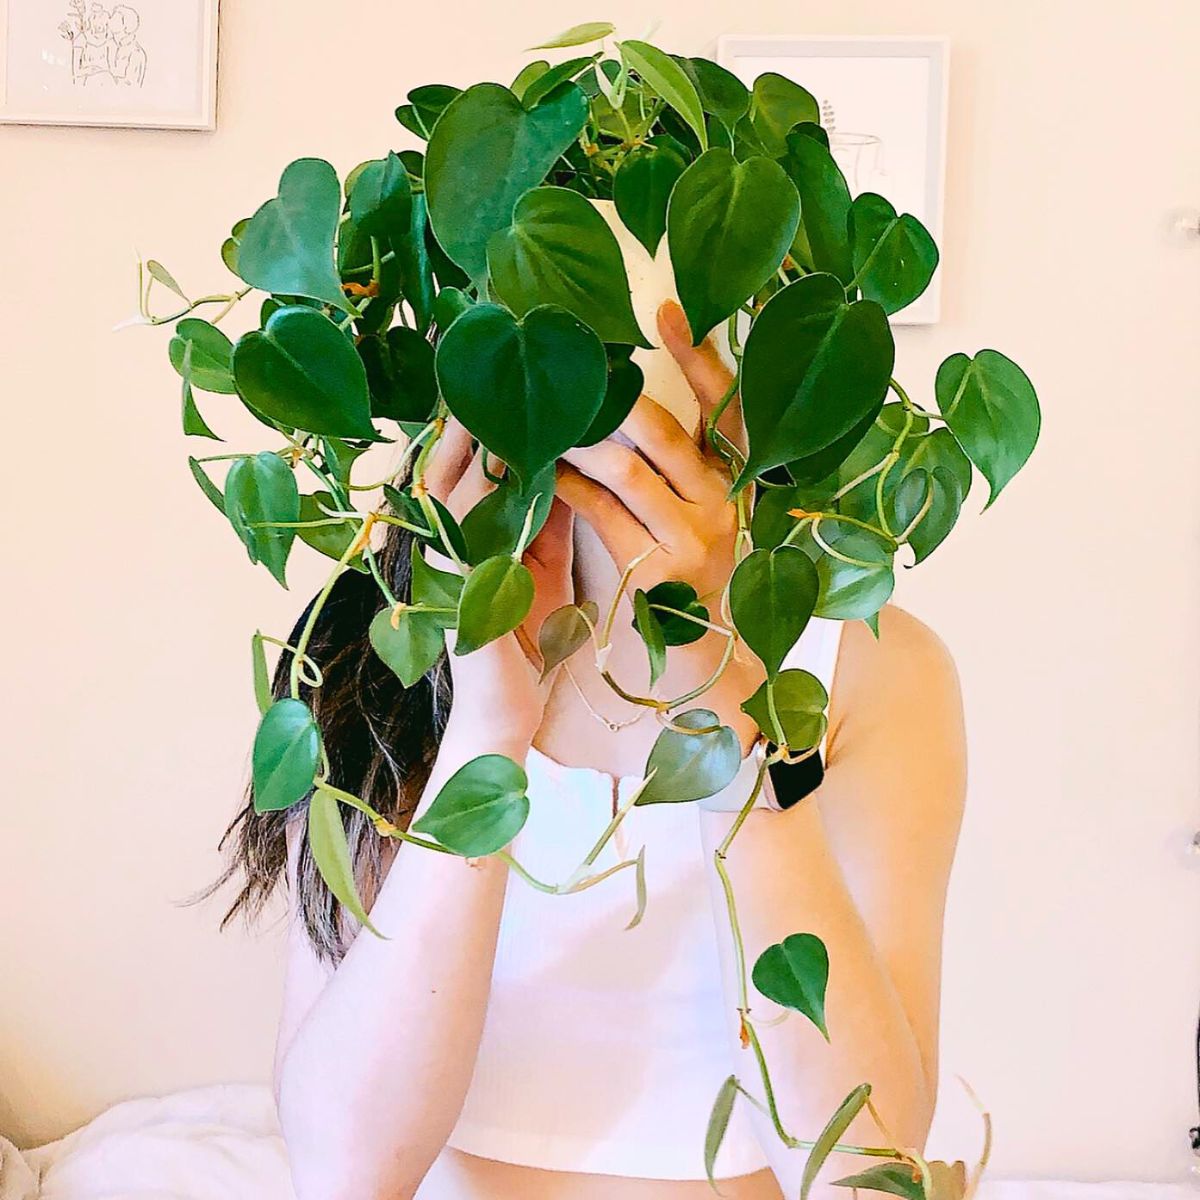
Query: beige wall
[[1072, 974]]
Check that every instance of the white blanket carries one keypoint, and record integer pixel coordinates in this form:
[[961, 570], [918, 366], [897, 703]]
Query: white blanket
[[223, 1143]]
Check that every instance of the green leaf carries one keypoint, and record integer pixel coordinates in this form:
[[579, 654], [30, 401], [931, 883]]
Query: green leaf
[[408, 642], [527, 74], [495, 524], [772, 595], [339, 458], [721, 92], [855, 589], [831, 1135], [480, 808], [400, 374], [664, 76], [799, 721], [415, 265], [426, 105], [893, 1179], [331, 854], [381, 199], [486, 150], [263, 488], [676, 630], [822, 240], [943, 513], [287, 748], [437, 589], [330, 540], [564, 631], [194, 425], [813, 367], [210, 366], [577, 35], [287, 248], [691, 766], [409, 510], [206, 485], [992, 409], [729, 224], [642, 187], [795, 973], [546, 83], [303, 371], [262, 677], [651, 633], [624, 386], [496, 598], [894, 256], [560, 250], [527, 389], [776, 104], [718, 1123]]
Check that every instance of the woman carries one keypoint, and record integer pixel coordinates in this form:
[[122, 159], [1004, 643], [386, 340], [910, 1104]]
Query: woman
[[505, 1043]]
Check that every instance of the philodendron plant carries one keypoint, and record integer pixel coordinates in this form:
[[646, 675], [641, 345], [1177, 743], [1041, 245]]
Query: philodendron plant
[[478, 279]]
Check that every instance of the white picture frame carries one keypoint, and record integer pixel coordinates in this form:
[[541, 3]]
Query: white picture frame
[[886, 101], [148, 64]]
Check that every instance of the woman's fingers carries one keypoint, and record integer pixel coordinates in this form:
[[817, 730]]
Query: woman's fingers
[[672, 451], [622, 534], [702, 366], [626, 474], [448, 461]]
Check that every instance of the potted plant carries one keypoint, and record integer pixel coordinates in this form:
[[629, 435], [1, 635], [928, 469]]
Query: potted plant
[[482, 278]]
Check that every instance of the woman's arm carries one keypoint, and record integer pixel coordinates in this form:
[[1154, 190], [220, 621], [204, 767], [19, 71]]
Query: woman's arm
[[863, 864], [375, 1057]]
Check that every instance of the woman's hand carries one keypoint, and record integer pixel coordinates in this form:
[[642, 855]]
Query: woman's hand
[[499, 683], [670, 490]]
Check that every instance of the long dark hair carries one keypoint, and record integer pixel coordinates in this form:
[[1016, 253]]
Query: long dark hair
[[381, 739]]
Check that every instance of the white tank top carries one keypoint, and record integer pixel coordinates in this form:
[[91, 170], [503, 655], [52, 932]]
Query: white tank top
[[604, 1048]]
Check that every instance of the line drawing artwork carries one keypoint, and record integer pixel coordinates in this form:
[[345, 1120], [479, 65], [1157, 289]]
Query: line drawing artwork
[[860, 155], [105, 50]]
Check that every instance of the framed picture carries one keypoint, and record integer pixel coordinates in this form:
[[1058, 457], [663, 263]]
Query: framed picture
[[150, 63], [884, 103]]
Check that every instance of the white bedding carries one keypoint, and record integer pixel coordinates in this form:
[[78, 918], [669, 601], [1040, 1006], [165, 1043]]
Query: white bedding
[[223, 1143]]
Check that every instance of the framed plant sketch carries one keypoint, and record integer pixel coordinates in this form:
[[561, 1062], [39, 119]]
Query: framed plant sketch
[[884, 103], [150, 63]]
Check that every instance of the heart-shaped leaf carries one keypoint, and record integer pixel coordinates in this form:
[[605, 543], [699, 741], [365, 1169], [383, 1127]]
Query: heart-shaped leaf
[[795, 973], [425, 105], [894, 256], [798, 701], [560, 250], [832, 1134], [893, 1179], [400, 374], [691, 766], [409, 642], [287, 248], [331, 854], [625, 383], [942, 515], [822, 239], [287, 748], [527, 389], [480, 808], [682, 598], [494, 526], [486, 150], [729, 224], [262, 488], [194, 424], [642, 187], [496, 598], [432, 588], [721, 92], [210, 363], [330, 540], [381, 199], [857, 579], [718, 1123], [545, 83], [776, 104], [651, 633], [564, 631], [812, 368], [303, 371], [992, 409], [772, 595], [666, 78]]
